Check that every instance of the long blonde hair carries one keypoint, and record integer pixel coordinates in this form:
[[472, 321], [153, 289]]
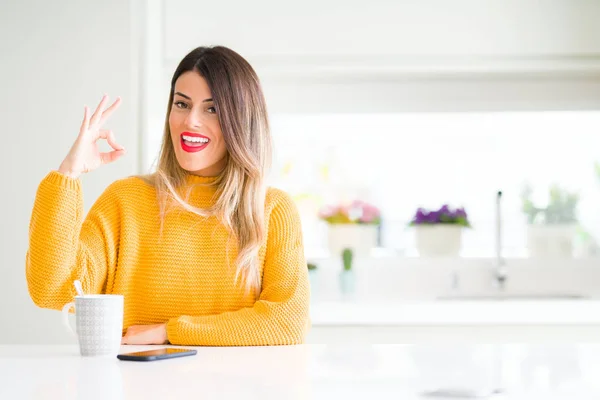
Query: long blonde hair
[[240, 188]]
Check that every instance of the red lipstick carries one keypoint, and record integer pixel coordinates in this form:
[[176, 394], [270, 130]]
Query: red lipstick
[[193, 146]]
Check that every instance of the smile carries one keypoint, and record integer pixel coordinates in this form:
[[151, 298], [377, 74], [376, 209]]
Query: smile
[[193, 142]]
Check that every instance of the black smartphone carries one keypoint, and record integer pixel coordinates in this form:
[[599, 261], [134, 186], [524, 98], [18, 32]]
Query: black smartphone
[[158, 354]]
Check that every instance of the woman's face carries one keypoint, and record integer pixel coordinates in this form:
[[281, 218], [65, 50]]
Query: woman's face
[[195, 129]]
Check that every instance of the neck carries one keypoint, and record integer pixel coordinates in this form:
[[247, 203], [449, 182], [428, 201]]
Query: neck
[[213, 170]]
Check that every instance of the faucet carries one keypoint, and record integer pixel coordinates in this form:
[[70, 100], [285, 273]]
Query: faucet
[[500, 274]]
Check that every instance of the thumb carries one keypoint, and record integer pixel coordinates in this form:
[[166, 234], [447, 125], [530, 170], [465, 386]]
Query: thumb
[[110, 156]]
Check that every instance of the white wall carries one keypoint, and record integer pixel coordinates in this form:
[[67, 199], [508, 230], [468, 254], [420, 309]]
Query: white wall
[[341, 56], [56, 57], [272, 31]]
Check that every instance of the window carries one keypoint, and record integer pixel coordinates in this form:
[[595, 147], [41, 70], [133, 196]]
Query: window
[[406, 160]]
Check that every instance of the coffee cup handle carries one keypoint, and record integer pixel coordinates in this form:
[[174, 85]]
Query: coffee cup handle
[[65, 313]]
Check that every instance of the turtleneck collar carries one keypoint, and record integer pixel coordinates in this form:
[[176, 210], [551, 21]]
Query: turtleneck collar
[[192, 179], [200, 190]]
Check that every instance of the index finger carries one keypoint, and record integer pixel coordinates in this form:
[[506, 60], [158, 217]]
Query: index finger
[[106, 113]]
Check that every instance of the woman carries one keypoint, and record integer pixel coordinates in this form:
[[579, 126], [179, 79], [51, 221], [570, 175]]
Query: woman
[[201, 251]]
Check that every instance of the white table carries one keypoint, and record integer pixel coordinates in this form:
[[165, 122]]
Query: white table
[[565, 371]]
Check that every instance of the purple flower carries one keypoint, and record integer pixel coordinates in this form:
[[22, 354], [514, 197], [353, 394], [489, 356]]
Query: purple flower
[[445, 215], [420, 216], [434, 217]]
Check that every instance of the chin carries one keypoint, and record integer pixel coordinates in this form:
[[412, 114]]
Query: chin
[[192, 167], [188, 164]]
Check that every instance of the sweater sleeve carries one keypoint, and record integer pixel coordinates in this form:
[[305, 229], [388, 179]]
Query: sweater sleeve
[[64, 247], [280, 316]]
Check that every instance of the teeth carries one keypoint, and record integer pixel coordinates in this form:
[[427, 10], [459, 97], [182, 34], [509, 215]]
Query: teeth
[[195, 139]]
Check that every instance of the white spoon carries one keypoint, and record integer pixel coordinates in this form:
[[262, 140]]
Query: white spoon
[[78, 287]]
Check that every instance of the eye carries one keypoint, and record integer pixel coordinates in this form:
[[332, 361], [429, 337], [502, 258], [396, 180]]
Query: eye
[[211, 110], [180, 104]]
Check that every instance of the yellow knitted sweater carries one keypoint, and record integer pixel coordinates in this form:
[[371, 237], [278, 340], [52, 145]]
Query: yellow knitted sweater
[[185, 277]]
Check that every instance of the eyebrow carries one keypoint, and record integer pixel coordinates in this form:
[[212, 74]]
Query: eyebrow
[[189, 98]]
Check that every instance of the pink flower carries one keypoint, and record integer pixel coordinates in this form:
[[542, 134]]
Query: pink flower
[[328, 211], [370, 214], [356, 212]]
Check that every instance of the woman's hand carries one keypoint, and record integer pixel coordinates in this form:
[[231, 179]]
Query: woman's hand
[[146, 334], [84, 155]]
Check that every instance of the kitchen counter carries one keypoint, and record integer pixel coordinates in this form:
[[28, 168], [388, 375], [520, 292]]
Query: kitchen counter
[[456, 312], [514, 371]]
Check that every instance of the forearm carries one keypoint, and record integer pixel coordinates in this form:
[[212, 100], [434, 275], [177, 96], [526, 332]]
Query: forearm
[[56, 255], [264, 324]]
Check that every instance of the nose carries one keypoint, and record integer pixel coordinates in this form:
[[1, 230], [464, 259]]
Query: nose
[[193, 121]]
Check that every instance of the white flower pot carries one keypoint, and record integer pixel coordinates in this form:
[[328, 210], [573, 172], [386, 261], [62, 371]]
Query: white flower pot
[[550, 240], [361, 238], [440, 240]]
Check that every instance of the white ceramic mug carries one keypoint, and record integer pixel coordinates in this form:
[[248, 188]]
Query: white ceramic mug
[[99, 323]]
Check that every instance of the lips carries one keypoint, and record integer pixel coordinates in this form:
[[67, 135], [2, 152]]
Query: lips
[[193, 147]]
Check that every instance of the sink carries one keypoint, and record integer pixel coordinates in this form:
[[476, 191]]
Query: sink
[[514, 296]]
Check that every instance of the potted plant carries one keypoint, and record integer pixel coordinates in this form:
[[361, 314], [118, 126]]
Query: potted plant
[[439, 232], [313, 278], [550, 228], [353, 226], [347, 276]]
